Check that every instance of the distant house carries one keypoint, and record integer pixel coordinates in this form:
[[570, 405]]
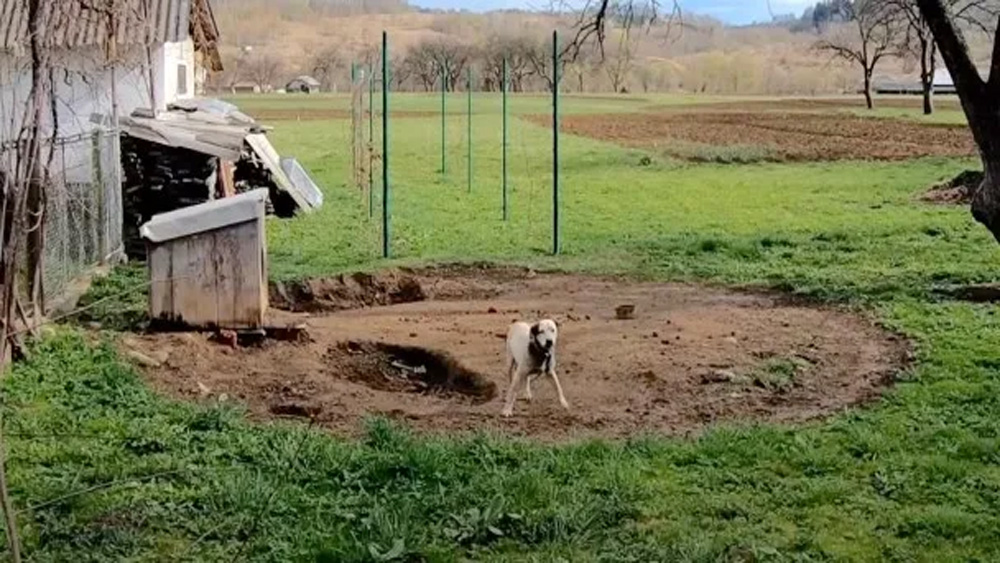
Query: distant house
[[305, 84], [889, 86], [244, 88], [943, 84]]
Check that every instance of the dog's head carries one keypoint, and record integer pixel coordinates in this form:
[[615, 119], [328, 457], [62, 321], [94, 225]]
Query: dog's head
[[544, 333]]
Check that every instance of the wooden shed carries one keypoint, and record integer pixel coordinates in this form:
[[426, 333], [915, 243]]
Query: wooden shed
[[207, 264]]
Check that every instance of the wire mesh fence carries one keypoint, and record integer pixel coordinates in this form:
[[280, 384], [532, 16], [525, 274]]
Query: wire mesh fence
[[83, 218], [83, 223]]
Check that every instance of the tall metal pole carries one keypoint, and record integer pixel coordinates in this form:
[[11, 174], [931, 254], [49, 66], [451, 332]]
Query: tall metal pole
[[555, 142], [468, 83], [444, 95], [503, 159], [385, 146], [355, 129], [371, 140]]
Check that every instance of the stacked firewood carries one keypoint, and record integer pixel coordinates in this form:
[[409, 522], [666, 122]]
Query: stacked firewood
[[158, 179], [251, 174]]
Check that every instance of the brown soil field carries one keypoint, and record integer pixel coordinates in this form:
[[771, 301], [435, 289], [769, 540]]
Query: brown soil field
[[786, 136], [427, 348], [813, 104]]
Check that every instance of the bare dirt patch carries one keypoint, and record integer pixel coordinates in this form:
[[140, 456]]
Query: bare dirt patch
[[811, 104], [787, 136], [689, 356]]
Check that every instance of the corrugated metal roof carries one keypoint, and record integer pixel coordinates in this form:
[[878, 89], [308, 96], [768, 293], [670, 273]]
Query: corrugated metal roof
[[75, 23]]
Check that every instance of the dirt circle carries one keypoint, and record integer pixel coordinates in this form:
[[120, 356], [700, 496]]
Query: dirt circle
[[690, 356]]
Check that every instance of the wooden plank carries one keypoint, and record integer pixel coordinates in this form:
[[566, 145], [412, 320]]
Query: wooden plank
[[238, 280], [227, 183], [194, 298], [264, 267], [160, 272]]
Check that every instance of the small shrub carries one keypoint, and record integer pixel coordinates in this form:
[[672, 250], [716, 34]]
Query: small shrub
[[777, 374]]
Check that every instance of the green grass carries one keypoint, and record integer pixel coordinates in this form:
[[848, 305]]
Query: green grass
[[842, 230], [939, 117], [915, 477], [456, 102]]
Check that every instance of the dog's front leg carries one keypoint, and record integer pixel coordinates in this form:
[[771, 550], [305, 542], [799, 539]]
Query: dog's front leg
[[519, 375], [555, 379]]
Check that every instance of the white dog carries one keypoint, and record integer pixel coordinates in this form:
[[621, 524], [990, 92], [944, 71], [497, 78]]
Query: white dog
[[531, 352]]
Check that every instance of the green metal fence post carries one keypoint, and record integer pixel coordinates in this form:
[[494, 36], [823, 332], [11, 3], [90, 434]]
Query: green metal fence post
[[444, 94], [468, 86], [555, 142], [503, 158], [371, 140], [385, 145]]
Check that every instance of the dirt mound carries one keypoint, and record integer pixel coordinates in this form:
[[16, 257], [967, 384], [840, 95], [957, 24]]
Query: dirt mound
[[346, 292], [785, 136], [353, 291], [956, 191], [687, 357]]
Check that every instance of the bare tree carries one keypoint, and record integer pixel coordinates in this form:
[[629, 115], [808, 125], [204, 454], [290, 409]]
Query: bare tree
[[421, 65], [585, 64], [429, 60], [919, 41], [399, 73], [455, 57], [541, 60], [979, 99], [871, 34], [263, 70], [619, 65], [516, 50], [594, 15], [327, 65]]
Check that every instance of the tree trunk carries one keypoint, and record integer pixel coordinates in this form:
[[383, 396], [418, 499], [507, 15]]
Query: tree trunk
[[927, 67], [36, 172], [986, 200], [928, 91], [980, 101], [869, 101]]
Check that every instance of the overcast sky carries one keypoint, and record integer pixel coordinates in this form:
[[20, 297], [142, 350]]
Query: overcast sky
[[729, 11]]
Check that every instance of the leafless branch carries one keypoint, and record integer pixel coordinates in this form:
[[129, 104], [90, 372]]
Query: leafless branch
[[594, 17]]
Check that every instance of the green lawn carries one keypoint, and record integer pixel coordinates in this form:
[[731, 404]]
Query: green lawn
[[915, 477]]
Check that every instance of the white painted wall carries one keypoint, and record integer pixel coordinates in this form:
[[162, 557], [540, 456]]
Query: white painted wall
[[82, 87], [83, 91], [175, 72]]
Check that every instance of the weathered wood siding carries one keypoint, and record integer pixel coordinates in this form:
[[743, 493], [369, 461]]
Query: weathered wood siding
[[212, 279]]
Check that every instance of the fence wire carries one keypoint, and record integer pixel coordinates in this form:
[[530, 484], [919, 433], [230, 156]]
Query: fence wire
[[83, 224], [83, 216]]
